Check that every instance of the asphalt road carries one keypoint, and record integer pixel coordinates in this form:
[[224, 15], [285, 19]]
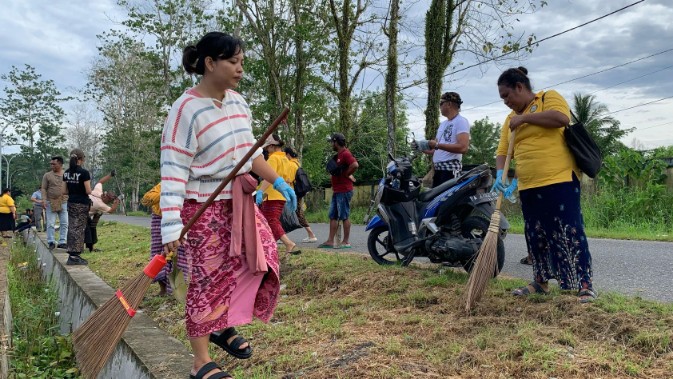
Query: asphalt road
[[630, 267]]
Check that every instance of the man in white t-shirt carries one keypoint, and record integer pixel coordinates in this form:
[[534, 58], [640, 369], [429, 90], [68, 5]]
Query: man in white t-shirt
[[451, 142]]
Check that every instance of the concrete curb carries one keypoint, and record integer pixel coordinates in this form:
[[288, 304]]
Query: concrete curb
[[5, 313], [145, 350]]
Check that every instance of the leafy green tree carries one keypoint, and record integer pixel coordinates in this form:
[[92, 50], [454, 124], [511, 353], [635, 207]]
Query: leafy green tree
[[127, 84], [173, 24], [31, 107], [632, 169], [354, 53], [482, 29], [484, 137], [370, 144], [604, 128]]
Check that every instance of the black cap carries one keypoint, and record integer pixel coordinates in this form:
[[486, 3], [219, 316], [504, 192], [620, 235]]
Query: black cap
[[338, 137], [453, 97]]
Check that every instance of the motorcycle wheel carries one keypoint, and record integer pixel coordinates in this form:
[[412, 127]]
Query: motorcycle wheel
[[477, 227], [381, 248]]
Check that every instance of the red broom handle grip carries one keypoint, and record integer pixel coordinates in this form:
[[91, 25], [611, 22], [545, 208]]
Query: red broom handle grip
[[156, 264], [235, 171]]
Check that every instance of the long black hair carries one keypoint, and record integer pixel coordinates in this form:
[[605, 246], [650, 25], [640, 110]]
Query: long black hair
[[75, 155]]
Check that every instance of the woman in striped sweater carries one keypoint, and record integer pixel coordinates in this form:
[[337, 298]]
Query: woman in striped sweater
[[232, 252]]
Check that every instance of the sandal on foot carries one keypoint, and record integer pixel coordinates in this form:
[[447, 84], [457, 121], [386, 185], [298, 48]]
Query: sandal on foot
[[293, 250], [589, 293], [208, 367], [233, 348], [526, 261], [325, 246], [525, 290]]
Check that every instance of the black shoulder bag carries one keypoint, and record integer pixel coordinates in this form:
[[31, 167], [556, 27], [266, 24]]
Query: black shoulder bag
[[583, 148]]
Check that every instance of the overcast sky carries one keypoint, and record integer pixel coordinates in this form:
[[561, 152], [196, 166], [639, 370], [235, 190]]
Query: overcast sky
[[59, 40]]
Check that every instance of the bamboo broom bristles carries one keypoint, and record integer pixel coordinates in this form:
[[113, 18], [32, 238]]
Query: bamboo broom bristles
[[97, 338], [486, 264]]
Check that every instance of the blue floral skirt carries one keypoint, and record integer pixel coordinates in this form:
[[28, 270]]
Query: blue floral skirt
[[554, 229]]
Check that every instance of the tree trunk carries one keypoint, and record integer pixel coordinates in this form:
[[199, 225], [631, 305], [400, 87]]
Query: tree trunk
[[299, 82], [391, 76]]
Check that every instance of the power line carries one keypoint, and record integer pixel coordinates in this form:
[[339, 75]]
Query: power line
[[656, 126], [630, 80], [639, 105], [612, 68], [546, 38], [596, 73]]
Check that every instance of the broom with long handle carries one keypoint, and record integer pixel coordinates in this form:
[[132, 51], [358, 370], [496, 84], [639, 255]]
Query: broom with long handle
[[486, 263], [97, 338]]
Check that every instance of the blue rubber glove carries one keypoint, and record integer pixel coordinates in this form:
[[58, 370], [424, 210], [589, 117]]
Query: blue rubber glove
[[498, 185], [509, 191], [259, 197], [288, 193]]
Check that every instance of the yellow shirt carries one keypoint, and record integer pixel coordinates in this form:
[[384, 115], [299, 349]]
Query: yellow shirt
[[6, 201], [294, 166], [281, 165], [151, 199], [541, 154]]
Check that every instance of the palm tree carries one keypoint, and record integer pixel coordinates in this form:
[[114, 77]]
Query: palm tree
[[603, 128]]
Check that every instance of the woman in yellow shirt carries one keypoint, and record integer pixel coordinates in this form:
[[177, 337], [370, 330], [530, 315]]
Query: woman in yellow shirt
[[272, 202], [549, 186], [7, 213], [294, 164], [151, 200]]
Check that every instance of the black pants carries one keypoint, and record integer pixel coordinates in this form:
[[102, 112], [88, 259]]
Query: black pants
[[90, 233], [441, 176]]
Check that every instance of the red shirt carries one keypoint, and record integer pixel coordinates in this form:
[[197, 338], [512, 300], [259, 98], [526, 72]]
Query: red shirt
[[341, 183]]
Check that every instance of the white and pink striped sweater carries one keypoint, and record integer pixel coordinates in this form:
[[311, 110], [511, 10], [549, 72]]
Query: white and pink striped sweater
[[201, 143]]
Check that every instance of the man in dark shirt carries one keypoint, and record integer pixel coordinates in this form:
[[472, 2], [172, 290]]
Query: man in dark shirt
[[342, 191]]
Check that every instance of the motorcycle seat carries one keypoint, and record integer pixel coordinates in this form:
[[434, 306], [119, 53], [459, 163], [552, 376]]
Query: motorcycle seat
[[432, 193]]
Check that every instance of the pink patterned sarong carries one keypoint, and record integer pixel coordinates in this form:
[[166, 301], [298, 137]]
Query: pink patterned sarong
[[223, 292]]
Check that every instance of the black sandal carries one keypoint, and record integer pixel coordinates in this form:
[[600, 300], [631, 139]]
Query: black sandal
[[526, 261], [524, 291], [208, 367], [586, 292], [233, 348]]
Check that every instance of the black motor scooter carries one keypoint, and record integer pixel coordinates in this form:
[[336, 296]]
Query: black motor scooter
[[447, 224]]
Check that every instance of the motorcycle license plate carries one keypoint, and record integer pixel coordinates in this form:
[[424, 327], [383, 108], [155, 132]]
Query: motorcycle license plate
[[484, 197]]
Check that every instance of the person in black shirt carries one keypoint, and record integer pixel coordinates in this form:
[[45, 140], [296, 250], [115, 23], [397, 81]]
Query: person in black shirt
[[77, 185]]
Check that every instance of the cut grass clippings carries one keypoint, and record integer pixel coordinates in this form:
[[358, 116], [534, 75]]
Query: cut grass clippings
[[343, 316]]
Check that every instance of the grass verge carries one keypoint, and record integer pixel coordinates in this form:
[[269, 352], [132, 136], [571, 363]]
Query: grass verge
[[631, 230], [38, 349], [343, 316]]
